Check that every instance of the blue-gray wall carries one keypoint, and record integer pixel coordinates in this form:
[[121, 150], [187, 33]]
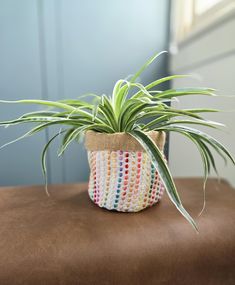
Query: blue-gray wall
[[53, 49]]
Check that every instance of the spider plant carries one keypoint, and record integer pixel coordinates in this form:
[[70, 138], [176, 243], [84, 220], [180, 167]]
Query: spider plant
[[127, 110]]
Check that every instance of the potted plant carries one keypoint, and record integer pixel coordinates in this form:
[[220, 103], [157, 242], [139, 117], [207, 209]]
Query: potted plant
[[125, 136]]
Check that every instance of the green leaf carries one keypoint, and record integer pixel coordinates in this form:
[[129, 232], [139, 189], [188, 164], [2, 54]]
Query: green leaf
[[186, 91], [138, 73], [219, 148], [27, 134], [164, 79], [70, 135], [107, 110], [210, 124], [77, 103], [202, 110], [41, 102], [158, 160], [120, 91], [54, 104], [131, 109], [43, 159], [160, 81], [153, 112]]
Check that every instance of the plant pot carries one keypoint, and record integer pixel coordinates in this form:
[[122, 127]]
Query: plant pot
[[122, 176]]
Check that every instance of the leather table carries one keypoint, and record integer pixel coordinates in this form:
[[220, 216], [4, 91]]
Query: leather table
[[66, 239]]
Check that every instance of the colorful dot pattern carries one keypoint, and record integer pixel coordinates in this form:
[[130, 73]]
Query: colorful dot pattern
[[123, 181]]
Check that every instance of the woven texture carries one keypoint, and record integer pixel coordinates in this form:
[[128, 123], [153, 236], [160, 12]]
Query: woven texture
[[123, 181], [117, 141]]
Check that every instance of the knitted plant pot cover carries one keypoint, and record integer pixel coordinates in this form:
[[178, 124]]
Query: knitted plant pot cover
[[122, 176]]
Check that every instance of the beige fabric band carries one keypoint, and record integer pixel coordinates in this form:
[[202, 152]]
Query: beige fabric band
[[119, 141]]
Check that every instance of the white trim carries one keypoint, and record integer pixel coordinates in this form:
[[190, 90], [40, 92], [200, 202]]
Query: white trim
[[206, 21], [210, 45], [181, 35]]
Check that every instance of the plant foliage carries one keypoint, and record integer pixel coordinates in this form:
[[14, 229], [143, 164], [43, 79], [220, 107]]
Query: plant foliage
[[127, 110]]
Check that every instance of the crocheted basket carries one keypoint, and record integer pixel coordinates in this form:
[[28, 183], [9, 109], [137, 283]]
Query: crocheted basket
[[122, 176]]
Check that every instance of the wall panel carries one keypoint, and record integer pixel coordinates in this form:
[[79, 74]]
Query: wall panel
[[56, 49], [20, 77], [217, 72]]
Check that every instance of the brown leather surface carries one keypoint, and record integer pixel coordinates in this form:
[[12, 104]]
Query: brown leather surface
[[66, 239]]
